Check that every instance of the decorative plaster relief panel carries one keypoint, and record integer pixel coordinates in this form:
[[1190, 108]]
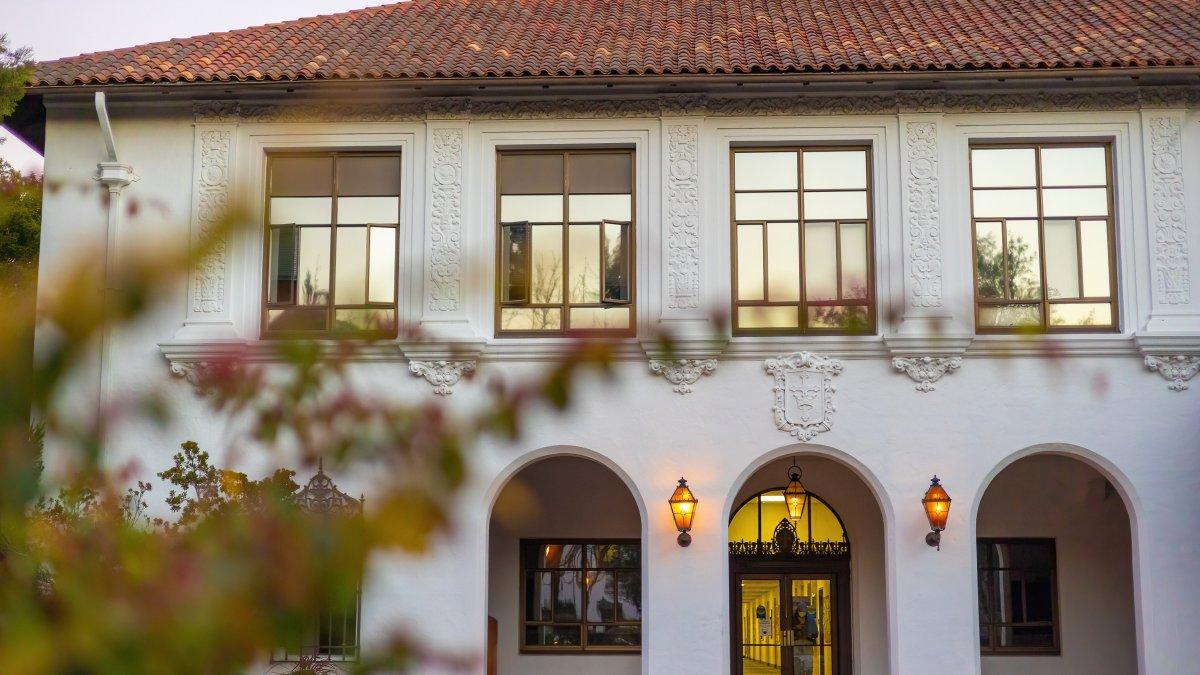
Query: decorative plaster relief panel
[[444, 244], [443, 375], [683, 373], [211, 201], [1176, 369], [1168, 220], [682, 203], [922, 216], [803, 392], [925, 370]]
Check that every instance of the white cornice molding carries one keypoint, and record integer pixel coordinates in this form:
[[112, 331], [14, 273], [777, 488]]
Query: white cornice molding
[[702, 105]]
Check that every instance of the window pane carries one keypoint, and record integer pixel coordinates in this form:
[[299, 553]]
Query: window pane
[[842, 169], [1094, 245], [1074, 166], [531, 208], [1010, 316], [351, 286], [561, 555], [1062, 259], [616, 263], [1005, 203], [843, 317], [598, 173], [514, 263], [1086, 314], [1027, 636], [750, 262], [1024, 260], [614, 555], [568, 595], [629, 596], [835, 205], [854, 261], [602, 593], [522, 174], [615, 636], [383, 265], [989, 259], [301, 210], [766, 206], [368, 210], [368, 176], [599, 317], [768, 317], [314, 265], [297, 319], [553, 636], [764, 170], [1003, 167], [282, 272], [783, 262], [584, 267], [540, 318], [595, 208], [820, 261], [547, 264], [1075, 202], [358, 320], [301, 176]]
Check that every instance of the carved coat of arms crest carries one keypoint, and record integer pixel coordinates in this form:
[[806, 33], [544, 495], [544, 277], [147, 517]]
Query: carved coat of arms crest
[[803, 392]]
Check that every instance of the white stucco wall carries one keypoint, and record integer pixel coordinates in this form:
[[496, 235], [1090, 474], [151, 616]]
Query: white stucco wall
[[1064, 499], [1094, 399]]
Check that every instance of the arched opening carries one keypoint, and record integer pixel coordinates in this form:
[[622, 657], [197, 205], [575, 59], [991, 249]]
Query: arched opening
[[1054, 559], [807, 585], [565, 572]]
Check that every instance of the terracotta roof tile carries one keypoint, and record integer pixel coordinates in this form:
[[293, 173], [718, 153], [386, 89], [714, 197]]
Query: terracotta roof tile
[[516, 38]]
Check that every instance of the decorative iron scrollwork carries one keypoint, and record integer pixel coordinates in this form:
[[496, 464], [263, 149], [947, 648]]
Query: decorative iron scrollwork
[[322, 496], [800, 549]]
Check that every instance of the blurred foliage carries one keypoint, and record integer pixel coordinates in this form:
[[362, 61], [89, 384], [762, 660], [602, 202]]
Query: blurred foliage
[[90, 583]]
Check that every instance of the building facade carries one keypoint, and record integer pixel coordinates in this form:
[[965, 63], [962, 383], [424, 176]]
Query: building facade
[[872, 277]]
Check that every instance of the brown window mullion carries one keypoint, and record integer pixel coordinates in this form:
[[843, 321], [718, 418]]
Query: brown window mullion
[[801, 234], [1041, 220]]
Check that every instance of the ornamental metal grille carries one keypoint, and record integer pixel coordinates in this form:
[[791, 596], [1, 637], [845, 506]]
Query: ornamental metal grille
[[798, 548], [332, 635]]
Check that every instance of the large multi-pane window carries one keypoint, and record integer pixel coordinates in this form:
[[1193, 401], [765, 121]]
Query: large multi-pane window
[[331, 244], [581, 596], [1043, 224], [802, 240], [1018, 596], [565, 259]]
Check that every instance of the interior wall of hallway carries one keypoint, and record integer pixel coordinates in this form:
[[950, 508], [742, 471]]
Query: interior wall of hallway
[[1066, 499], [557, 497], [854, 502]]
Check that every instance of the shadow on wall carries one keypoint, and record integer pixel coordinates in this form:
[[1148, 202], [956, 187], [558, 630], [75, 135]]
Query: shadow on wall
[[1063, 499], [560, 497]]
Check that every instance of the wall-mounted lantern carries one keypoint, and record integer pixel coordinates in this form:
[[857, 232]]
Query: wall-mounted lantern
[[937, 509], [683, 509], [794, 495]]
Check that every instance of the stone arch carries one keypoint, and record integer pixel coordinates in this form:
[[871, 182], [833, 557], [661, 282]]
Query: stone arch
[[874, 634], [1122, 487], [605, 475]]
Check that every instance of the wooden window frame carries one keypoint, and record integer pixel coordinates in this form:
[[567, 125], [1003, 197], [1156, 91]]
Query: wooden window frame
[[525, 569], [565, 305], [803, 303], [329, 333], [993, 649], [1045, 301]]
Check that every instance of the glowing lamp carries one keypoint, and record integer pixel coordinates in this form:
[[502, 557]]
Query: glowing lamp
[[937, 509], [683, 509]]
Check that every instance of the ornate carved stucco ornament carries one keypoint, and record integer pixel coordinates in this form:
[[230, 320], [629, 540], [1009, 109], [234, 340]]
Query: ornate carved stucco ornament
[[683, 373], [925, 370], [193, 372], [1176, 369], [803, 392], [443, 375]]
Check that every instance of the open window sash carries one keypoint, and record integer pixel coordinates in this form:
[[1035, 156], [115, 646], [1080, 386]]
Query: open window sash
[[615, 263], [516, 261]]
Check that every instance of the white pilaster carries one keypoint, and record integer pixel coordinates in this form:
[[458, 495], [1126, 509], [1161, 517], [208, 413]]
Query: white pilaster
[[1174, 306]]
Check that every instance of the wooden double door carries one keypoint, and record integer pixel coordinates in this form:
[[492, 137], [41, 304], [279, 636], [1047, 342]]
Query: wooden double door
[[791, 622]]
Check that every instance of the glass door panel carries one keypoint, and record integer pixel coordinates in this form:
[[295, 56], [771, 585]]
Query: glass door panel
[[811, 621], [762, 629]]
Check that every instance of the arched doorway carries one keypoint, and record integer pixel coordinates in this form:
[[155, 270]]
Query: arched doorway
[[1054, 559], [796, 606], [565, 571]]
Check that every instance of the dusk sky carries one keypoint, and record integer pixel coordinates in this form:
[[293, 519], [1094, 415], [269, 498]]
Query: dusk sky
[[57, 28]]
